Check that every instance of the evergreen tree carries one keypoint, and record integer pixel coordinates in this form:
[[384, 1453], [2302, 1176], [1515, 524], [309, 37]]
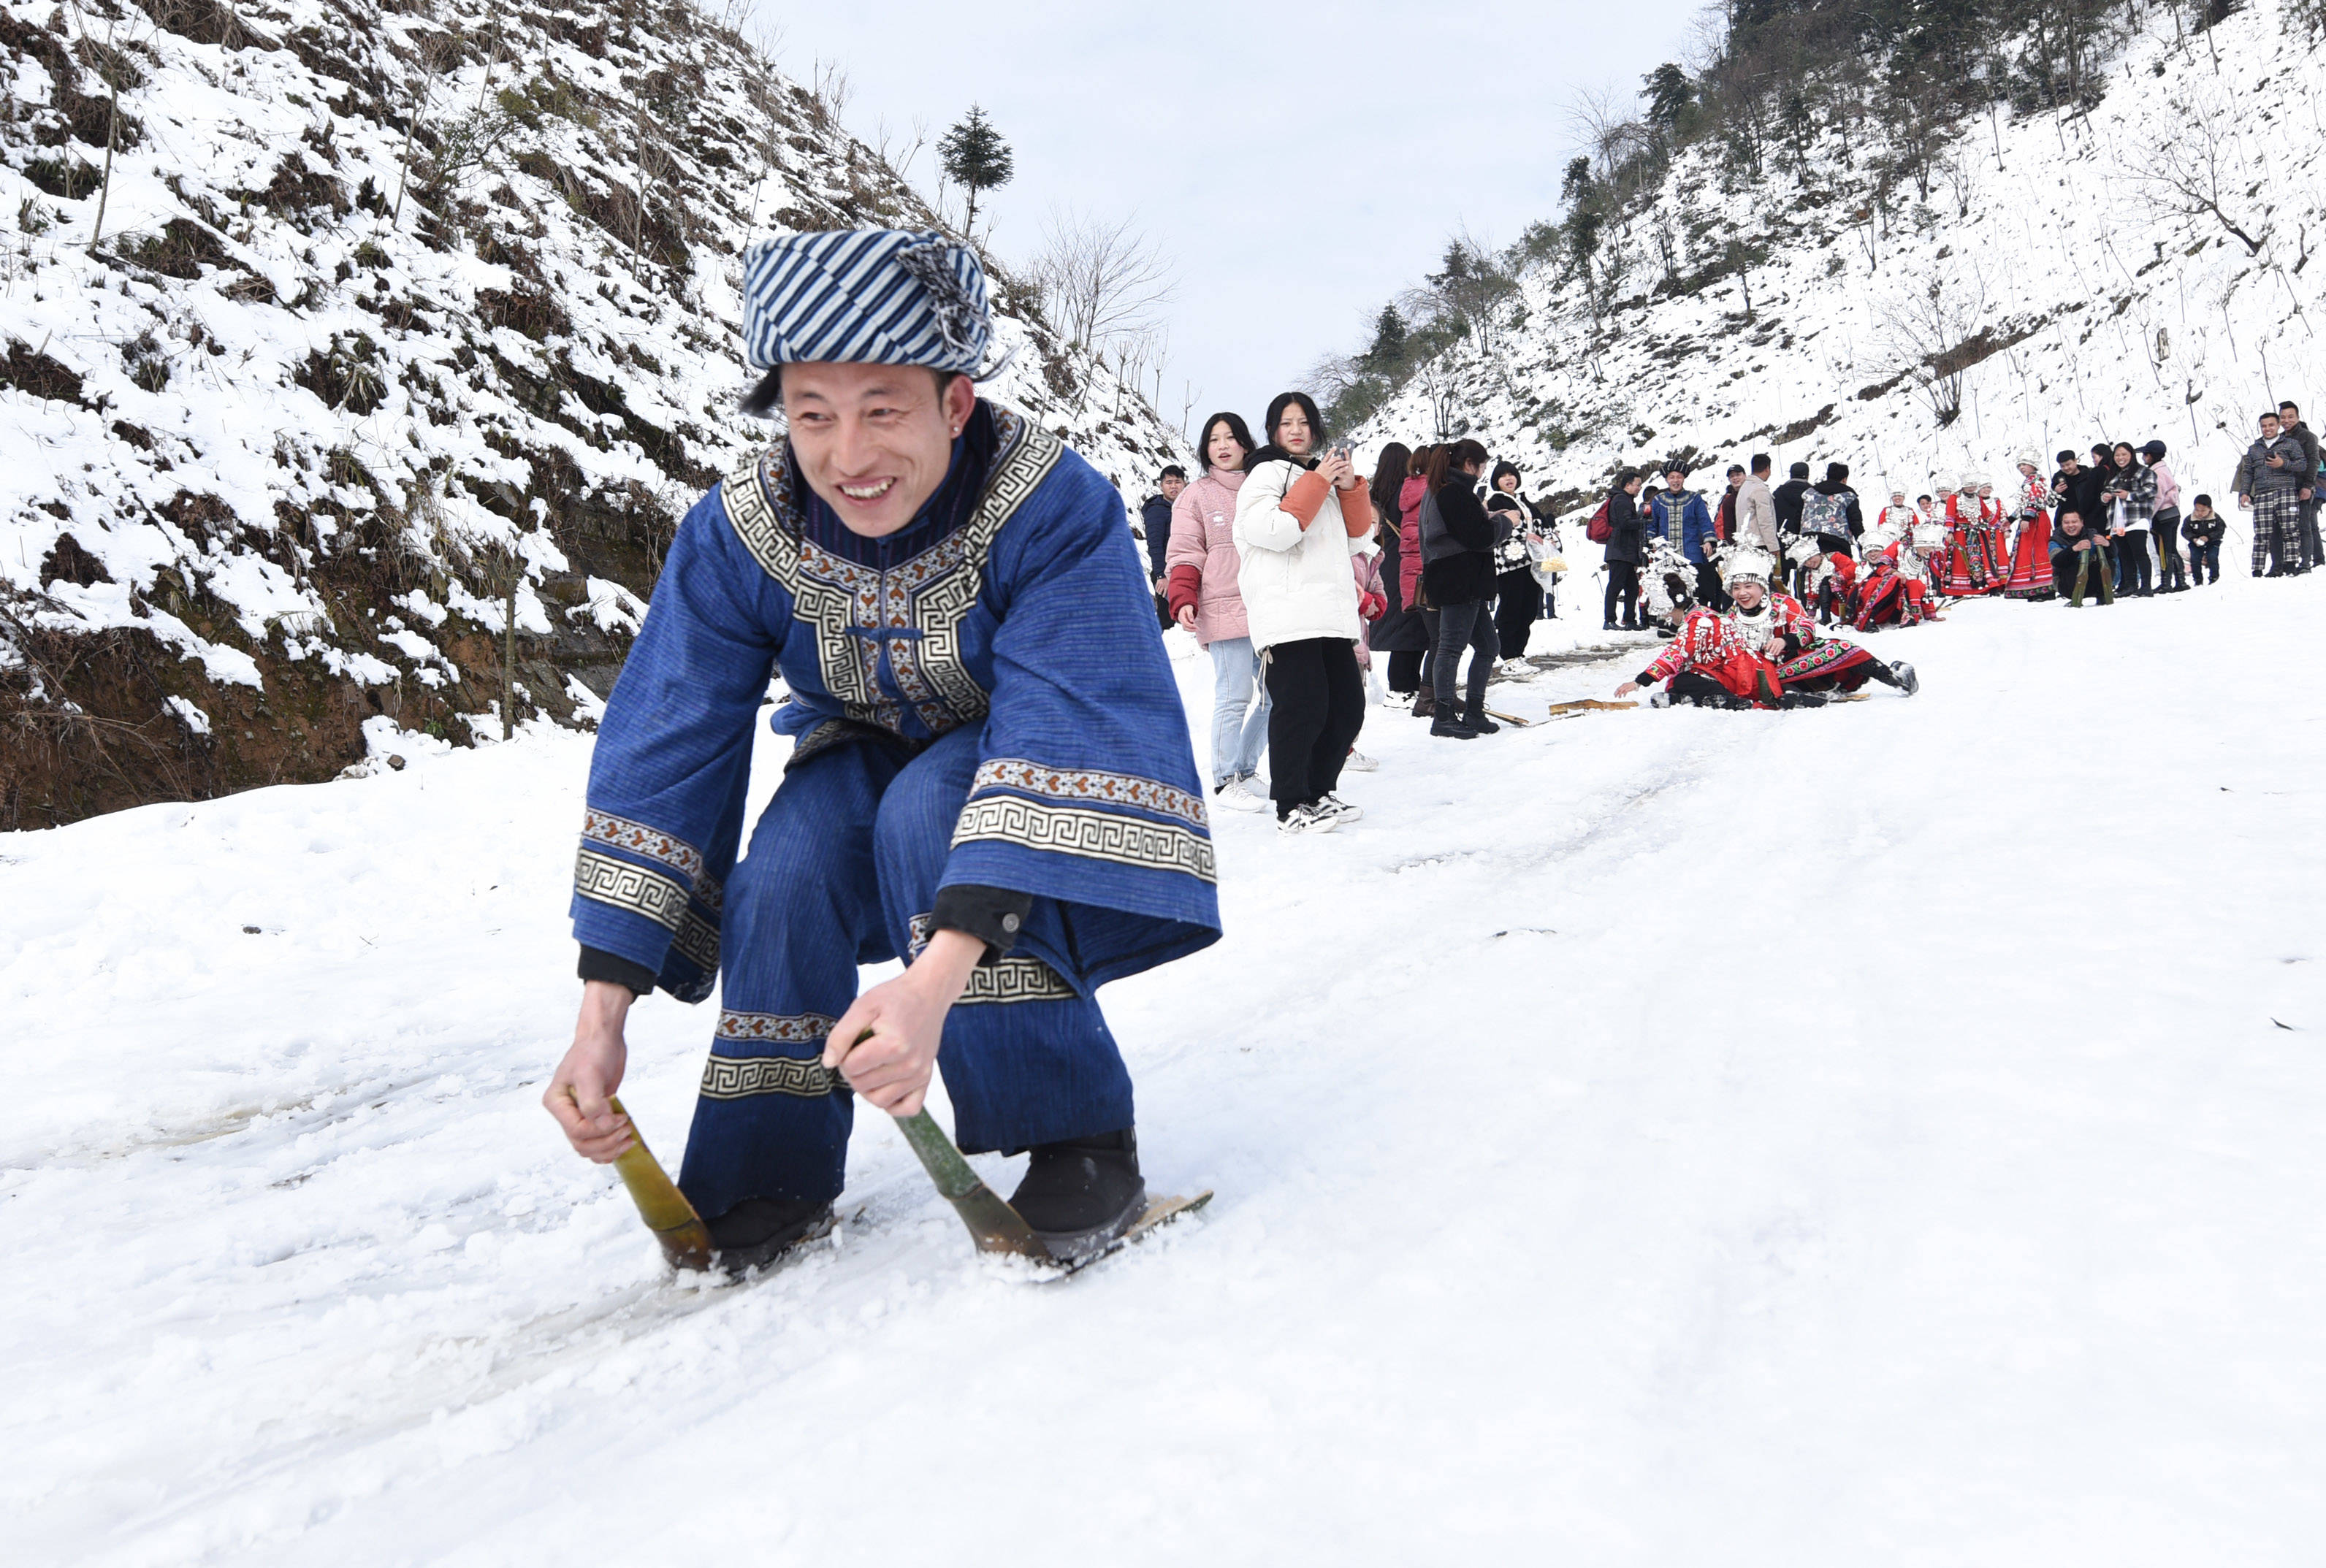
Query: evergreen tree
[[1669, 93], [1388, 352], [976, 159]]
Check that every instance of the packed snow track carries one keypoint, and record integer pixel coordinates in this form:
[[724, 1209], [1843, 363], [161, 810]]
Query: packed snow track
[[1887, 1133]]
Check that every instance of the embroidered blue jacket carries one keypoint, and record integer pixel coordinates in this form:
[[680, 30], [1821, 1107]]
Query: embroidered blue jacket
[[1017, 602]]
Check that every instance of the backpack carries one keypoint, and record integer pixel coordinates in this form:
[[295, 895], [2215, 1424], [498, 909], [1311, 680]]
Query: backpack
[[1824, 514], [1599, 528]]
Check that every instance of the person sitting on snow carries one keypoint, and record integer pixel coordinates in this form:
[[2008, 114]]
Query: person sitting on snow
[[1764, 652], [1893, 587], [989, 774], [2079, 563]]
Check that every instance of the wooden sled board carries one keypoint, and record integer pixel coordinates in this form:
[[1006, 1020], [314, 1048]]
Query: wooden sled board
[[1588, 705], [1159, 1213]]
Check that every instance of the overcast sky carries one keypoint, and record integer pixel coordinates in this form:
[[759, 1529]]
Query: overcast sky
[[1298, 180]]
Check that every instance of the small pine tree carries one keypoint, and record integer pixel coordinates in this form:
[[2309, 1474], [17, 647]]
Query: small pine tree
[[1669, 93], [1388, 352], [976, 159]]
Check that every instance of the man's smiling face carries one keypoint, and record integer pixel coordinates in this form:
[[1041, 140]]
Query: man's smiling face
[[874, 440]]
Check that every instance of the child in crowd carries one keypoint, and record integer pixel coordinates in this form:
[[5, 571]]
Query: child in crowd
[[2202, 529]]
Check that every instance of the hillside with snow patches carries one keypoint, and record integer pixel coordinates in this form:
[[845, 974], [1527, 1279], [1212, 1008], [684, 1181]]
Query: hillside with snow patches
[[2142, 269], [392, 303]]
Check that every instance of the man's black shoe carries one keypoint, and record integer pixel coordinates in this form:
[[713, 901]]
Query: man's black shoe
[[757, 1230], [1082, 1194]]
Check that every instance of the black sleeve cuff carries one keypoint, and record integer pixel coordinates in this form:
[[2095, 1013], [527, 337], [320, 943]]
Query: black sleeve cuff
[[994, 916], [1645, 678], [596, 964]]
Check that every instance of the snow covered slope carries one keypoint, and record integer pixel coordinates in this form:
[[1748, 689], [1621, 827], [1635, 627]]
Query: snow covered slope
[[2060, 266], [387, 298], [1887, 1134]]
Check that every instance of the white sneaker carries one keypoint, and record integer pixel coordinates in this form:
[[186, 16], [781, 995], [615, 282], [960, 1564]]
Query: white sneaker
[[1359, 762], [1238, 795], [1398, 699], [1308, 819], [1339, 810]]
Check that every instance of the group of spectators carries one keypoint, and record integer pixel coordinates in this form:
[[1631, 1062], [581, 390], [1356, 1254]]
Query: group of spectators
[[1292, 569]]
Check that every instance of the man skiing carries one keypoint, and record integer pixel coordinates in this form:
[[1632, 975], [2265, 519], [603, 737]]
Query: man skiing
[[990, 777], [1764, 652]]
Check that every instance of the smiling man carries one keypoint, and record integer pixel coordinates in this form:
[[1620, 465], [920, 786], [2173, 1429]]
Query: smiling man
[[990, 777]]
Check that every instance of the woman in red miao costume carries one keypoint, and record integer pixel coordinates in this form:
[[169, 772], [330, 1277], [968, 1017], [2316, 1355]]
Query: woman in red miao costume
[[1893, 587], [1966, 574], [1763, 652], [2031, 556]]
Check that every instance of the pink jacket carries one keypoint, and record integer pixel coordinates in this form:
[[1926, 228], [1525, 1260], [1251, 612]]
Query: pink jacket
[[1367, 568], [1203, 539]]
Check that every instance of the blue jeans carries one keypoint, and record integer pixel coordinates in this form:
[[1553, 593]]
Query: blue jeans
[[1237, 735]]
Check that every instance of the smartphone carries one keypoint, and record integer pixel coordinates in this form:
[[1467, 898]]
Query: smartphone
[[1345, 447]]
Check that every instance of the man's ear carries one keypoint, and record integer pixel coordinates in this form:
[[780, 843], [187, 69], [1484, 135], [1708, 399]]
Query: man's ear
[[960, 400]]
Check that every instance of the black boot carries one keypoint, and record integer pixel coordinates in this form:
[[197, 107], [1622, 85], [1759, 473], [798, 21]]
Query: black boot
[[1082, 1194], [1448, 724], [1474, 718], [757, 1230]]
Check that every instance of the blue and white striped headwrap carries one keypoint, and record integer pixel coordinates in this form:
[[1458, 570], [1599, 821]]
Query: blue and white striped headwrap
[[866, 296]]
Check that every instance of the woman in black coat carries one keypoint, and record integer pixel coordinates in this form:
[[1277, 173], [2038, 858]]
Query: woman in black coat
[[1458, 572], [1624, 545], [1400, 631]]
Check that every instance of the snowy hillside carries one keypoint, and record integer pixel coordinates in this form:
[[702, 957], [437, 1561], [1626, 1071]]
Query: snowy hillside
[[389, 305], [2139, 270], [1624, 1156]]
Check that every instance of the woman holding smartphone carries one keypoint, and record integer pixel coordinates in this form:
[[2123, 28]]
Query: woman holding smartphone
[[1299, 517], [2132, 490]]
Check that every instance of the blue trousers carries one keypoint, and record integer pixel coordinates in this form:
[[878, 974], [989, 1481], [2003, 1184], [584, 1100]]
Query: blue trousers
[[841, 870]]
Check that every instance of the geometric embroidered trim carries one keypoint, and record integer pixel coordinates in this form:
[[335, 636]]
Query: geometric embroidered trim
[[606, 880], [786, 1028], [1087, 784], [1013, 977], [740, 1077], [638, 838], [697, 942], [1092, 835], [1014, 980]]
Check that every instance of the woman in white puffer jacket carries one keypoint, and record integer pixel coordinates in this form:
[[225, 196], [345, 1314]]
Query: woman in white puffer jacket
[[1299, 520]]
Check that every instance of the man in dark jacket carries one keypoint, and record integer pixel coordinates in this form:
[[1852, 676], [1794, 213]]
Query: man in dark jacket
[[2077, 488], [1155, 516], [1624, 545], [2269, 483], [1788, 502], [2290, 417], [1458, 536], [1836, 519], [2079, 561]]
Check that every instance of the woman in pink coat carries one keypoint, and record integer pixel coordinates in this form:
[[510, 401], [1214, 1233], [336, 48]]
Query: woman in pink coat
[[1201, 589]]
